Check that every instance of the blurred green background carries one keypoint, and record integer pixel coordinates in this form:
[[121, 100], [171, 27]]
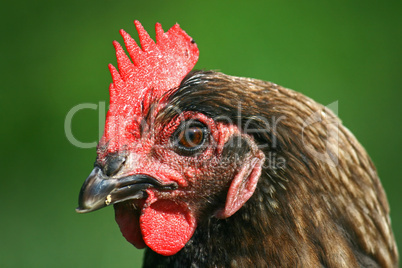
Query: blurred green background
[[54, 56]]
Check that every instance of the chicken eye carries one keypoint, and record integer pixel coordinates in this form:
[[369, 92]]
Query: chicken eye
[[190, 138]]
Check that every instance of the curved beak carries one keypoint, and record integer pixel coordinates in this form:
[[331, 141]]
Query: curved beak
[[99, 191]]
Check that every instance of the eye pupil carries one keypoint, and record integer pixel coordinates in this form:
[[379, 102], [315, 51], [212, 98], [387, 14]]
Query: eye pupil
[[191, 137]]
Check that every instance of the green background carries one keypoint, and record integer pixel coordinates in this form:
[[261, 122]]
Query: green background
[[54, 56]]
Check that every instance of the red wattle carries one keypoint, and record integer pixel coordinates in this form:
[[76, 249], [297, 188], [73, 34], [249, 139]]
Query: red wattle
[[167, 226], [128, 220]]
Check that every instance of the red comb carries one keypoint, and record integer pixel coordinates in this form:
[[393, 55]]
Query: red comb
[[155, 69]]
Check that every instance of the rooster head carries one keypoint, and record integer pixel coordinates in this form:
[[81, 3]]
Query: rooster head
[[164, 168]]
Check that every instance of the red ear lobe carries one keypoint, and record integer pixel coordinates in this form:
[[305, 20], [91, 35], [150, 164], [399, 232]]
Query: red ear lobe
[[243, 185]]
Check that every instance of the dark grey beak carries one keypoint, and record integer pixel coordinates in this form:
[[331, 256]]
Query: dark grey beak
[[99, 191]]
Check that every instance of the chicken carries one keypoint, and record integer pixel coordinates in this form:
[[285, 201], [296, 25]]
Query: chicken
[[209, 170]]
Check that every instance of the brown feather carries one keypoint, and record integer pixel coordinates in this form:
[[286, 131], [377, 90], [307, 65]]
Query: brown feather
[[325, 207]]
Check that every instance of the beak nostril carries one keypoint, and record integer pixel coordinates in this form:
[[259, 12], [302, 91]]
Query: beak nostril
[[113, 164]]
